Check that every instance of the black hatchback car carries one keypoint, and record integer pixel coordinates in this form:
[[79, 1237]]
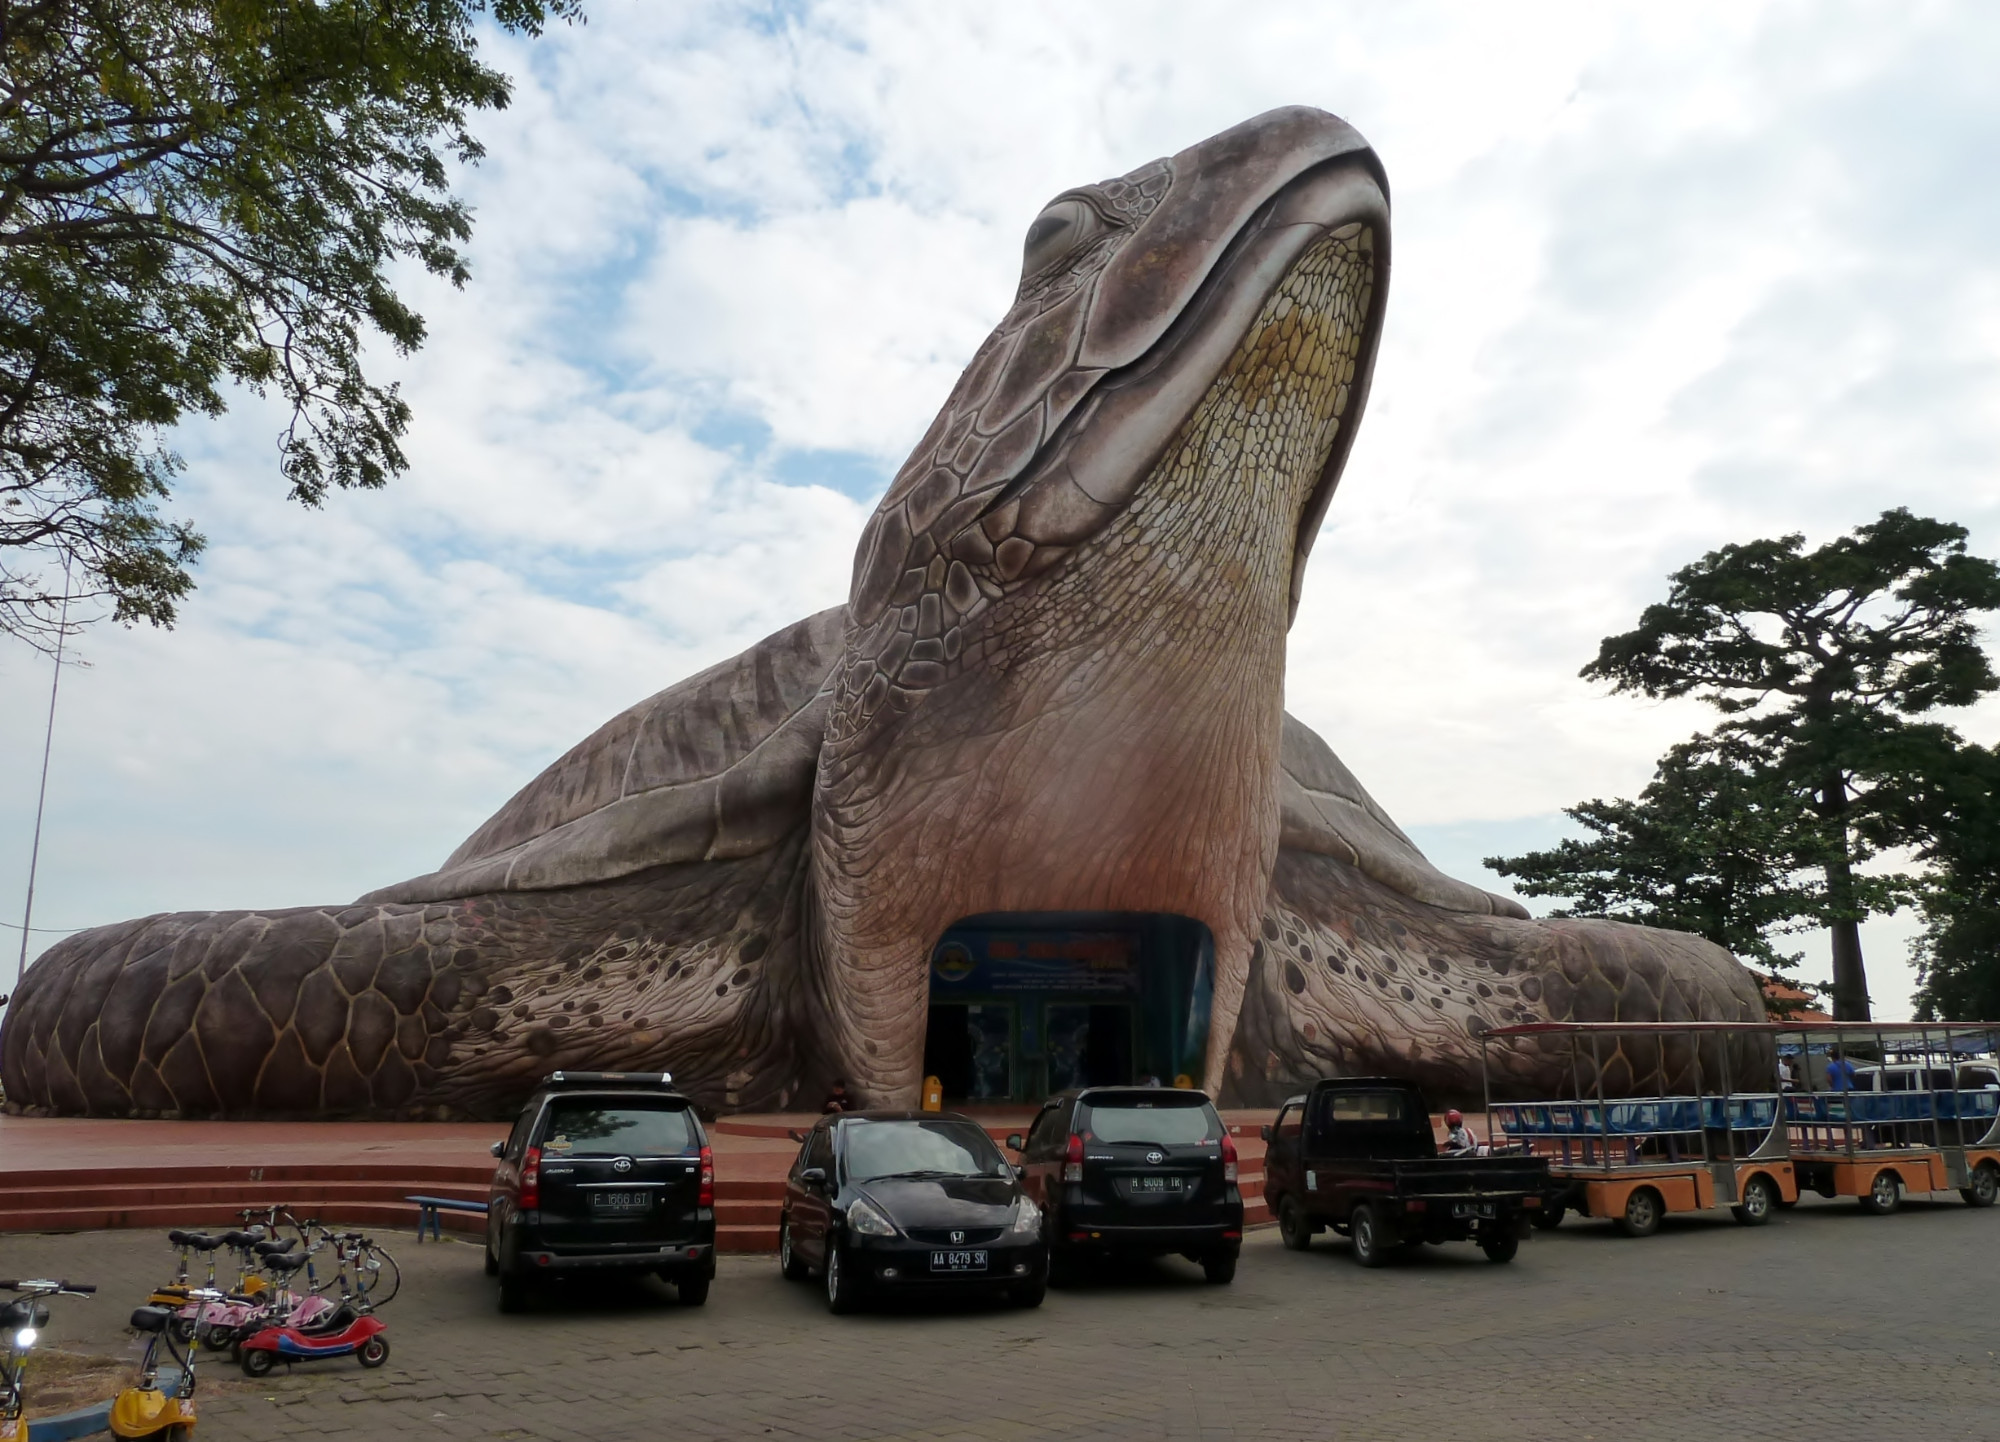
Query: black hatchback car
[[604, 1171], [1136, 1171], [909, 1201]]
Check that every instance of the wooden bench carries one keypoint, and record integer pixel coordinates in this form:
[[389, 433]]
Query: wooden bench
[[429, 1207]]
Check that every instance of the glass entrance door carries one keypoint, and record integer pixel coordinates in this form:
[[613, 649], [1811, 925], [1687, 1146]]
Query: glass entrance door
[[1087, 1044]]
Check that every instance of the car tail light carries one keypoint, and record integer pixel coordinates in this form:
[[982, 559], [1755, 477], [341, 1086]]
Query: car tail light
[[1228, 1157], [706, 1196], [531, 1180], [1416, 1204], [1073, 1160]]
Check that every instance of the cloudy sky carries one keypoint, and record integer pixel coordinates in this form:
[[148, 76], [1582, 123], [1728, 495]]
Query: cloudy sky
[[1666, 277]]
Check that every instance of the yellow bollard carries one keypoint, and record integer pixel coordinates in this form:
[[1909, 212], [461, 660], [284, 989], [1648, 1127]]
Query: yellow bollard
[[933, 1094]]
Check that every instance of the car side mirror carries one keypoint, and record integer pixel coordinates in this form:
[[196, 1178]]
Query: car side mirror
[[1016, 1142], [813, 1176], [1265, 1131], [498, 1149]]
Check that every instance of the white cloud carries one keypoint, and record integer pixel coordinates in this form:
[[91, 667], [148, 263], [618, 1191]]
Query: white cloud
[[1664, 279]]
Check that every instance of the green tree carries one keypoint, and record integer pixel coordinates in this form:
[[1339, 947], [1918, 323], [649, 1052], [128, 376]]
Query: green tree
[[1958, 956], [200, 193], [1820, 658], [1711, 846]]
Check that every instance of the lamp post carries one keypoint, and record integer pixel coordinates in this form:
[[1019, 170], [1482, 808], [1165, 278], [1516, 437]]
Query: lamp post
[[42, 795]]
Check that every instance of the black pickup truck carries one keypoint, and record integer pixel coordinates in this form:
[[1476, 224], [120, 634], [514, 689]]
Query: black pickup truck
[[1357, 1154]]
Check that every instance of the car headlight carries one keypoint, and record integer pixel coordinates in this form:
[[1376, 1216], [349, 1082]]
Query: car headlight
[[865, 1219], [1027, 1219]]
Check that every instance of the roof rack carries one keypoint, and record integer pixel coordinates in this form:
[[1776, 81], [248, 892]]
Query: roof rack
[[608, 1079]]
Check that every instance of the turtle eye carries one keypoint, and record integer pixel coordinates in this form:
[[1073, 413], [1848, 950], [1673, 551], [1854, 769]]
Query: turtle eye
[[1056, 232]]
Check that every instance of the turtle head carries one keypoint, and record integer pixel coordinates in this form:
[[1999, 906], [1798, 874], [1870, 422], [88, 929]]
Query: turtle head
[[1139, 299]]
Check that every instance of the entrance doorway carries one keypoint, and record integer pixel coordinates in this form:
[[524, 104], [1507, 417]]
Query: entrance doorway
[[969, 1048], [1023, 1004], [1088, 1045]]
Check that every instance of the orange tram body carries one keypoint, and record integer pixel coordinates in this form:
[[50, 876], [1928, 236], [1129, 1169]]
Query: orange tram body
[[1862, 1125]]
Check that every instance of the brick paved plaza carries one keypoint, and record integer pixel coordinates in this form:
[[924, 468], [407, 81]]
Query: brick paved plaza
[[1826, 1325]]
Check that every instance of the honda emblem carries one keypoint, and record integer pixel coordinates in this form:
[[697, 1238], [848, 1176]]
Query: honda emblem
[[957, 1237]]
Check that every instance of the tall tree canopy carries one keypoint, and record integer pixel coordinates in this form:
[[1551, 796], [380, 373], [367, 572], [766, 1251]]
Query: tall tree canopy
[[1957, 811], [195, 193], [1710, 846], [1821, 659]]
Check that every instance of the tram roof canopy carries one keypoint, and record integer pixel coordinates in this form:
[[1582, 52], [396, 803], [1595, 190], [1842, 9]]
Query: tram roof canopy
[[1885, 1031]]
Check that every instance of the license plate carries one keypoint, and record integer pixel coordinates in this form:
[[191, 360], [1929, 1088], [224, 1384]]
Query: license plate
[[1159, 1184], [1472, 1209], [621, 1203], [958, 1261]]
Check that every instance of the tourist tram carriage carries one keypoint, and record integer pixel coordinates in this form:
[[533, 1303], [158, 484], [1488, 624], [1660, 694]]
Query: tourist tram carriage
[[1896, 1127], [1738, 1142]]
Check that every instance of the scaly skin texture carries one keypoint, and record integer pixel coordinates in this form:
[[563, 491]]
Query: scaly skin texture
[[1056, 686], [1107, 735]]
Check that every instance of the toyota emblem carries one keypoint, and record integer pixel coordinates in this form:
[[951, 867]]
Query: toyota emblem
[[623, 1164], [1156, 1157], [957, 1237]]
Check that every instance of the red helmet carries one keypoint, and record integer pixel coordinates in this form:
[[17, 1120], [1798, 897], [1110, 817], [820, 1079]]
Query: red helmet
[[1453, 1118]]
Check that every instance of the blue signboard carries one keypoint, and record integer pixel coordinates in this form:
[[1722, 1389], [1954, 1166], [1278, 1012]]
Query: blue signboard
[[1042, 963]]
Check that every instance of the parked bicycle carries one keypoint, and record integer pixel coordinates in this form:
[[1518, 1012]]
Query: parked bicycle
[[147, 1409], [21, 1323]]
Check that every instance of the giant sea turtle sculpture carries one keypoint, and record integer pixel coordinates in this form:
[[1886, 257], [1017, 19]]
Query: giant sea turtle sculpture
[[1056, 686]]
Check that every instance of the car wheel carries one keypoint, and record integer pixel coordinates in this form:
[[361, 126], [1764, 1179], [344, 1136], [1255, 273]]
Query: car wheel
[[1028, 1294], [1365, 1229], [258, 1363], [513, 1292], [692, 1290], [1293, 1228], [1642, 1213], [790, 1264], [1500, 1248], [1985, 1186], [1218, 1269], [1883, 1195], [843, 1286], [1760, 1200], [375, 1351], [1548, 1217]]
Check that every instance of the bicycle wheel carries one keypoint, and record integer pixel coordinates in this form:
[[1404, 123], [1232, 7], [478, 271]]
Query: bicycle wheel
[[376, 1276]]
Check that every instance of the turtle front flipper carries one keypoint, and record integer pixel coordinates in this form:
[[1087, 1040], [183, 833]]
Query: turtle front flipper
[[635, 907], [443, 1010], [1370, 961]]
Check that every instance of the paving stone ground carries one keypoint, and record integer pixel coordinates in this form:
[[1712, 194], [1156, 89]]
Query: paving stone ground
[[1826, 1325]]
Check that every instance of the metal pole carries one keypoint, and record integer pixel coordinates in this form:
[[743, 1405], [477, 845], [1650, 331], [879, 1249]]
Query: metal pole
[[42, 796]]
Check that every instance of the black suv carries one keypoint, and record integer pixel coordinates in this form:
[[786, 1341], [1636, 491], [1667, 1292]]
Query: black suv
[[1135, 1171], [603, 1171]]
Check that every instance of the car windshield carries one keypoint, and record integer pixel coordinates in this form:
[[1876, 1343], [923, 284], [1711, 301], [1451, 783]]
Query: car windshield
[[617, 1129], [941, 1149], [1163, 1121]]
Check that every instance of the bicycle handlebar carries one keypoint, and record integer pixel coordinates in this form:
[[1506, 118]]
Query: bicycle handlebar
[[74, 1289]]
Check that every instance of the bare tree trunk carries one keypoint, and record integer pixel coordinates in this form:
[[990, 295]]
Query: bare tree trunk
[[1850, 976]]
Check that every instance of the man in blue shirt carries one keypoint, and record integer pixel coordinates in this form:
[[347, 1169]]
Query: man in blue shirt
[[1840, 1074]]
